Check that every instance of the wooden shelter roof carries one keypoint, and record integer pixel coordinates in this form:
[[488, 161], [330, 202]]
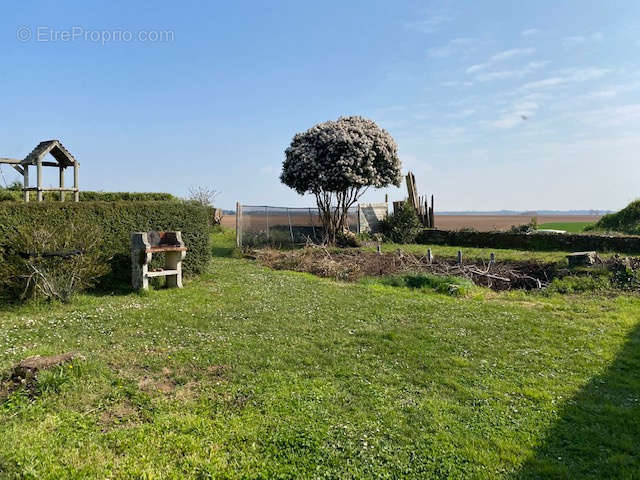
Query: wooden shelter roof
[[57, 151]]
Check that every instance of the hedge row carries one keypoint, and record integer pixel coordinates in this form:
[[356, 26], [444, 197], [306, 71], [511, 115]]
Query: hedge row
[[116, 221], [86, 196], [541, 242]]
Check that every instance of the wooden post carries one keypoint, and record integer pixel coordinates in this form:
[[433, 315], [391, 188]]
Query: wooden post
[[379, 250], [238, 225], [76, 182], [26, 183], [492, 258], [61, 184], [359, 226], [432, 215], [39, 180], [459, 257], [266, 212], [290, 227], [429, 256]]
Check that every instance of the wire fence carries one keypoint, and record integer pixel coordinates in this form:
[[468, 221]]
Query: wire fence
[[258, 225]]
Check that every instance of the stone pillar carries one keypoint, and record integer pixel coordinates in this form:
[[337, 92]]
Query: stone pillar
[[173, 261], [39, 180], [26, 183], [140, 260], [76, 182]]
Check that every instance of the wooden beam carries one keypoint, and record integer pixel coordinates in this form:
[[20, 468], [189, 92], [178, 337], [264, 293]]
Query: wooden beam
[[51, 189], [10, 161], [19, 169], [61, 173]]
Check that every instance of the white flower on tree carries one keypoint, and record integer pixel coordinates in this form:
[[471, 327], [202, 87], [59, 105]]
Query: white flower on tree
[[337, 161]]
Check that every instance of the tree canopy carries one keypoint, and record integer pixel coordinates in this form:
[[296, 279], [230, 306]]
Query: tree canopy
[[333, 156]]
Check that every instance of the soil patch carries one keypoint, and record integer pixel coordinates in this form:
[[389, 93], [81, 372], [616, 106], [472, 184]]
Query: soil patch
[[356, 264]]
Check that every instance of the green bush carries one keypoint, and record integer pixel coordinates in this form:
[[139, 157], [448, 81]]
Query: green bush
[[52, 262], [402, 226], [12, 195], [626, 220], [116, 221]]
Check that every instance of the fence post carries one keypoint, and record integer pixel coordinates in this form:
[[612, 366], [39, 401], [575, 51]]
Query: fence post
[[238, 224], [359, 226], [290, 228], [313, 226], [266, 211]]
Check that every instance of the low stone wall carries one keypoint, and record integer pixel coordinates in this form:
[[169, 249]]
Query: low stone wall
[[536, 241]]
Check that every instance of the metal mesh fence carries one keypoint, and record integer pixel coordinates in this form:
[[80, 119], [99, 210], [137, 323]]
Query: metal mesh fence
[[259, 225]]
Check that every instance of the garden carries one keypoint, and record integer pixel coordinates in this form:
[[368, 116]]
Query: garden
[[251, 372], [368, 356]]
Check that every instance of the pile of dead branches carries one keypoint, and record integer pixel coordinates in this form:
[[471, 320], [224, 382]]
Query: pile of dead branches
[[355, 264]]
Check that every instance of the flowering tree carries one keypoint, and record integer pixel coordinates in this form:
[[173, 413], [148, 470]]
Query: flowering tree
[[337, 161]]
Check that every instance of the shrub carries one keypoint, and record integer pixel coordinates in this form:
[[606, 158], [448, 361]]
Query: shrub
[[337, 161], [626, 220], [116, 221], [532, 226], [402, 226], [53, 262]]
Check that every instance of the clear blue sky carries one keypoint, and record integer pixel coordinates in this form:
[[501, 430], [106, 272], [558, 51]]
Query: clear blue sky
[[521, 105]]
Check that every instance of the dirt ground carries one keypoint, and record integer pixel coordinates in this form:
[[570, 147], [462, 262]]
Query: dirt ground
[[479, 222]]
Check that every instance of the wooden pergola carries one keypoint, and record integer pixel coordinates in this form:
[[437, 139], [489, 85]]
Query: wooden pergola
[[63, 159]]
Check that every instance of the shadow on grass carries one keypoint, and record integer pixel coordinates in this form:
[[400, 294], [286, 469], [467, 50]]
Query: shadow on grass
[[598, 433]]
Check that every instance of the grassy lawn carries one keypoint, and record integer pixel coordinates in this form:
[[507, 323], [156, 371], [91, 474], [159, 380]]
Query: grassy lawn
[[254, 373], [573, 227]]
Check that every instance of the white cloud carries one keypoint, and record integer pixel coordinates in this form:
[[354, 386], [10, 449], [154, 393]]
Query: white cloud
[[547, 82], [501, 57], [429, 25], [528, 32], [453, 47], [513, 73], [573, 41], [567, 76], [477, 67], [511, 53]]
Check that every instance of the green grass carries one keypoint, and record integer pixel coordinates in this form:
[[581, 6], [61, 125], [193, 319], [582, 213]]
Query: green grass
[[475, 253], [254, 373], [572, 227]]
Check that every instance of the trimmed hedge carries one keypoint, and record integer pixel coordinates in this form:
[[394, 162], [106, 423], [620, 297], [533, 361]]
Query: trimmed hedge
[[86, 196], [540, 241], [117, 220]]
